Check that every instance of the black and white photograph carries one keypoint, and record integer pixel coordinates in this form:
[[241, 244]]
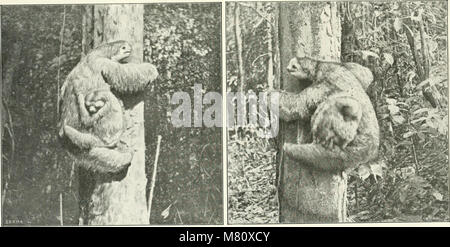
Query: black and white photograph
[[223, 120], [360, 133], [96, 114]]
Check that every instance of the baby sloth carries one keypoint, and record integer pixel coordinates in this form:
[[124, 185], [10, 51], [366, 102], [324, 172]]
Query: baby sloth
[[101, 114], [335, 122], [94, 102]]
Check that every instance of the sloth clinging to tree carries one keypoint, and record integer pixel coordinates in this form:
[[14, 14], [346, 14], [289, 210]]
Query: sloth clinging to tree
[[102, 68], [344, 123]]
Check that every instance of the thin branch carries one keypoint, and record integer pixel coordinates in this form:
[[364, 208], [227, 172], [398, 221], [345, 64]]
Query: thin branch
[[61, 218], [152, 186], [237, 35], [426, 65], [179, 216], [416, 161], [10, 129], [61, 38], [412, 46], [258, 57]]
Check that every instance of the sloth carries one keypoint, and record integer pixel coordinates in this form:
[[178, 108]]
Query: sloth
[[100, 69], [332, 83]]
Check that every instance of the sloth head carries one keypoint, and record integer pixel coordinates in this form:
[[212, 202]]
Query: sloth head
[[301, 68], [117, 50], [123, 51]]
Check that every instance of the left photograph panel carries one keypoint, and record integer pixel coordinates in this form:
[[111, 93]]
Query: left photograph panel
[[111, 114]]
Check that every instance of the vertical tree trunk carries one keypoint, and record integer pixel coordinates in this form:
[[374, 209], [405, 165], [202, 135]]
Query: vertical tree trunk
[[276, 46], [238, 38], [119, 201], [87, 42], [270, 75], [306, 195]]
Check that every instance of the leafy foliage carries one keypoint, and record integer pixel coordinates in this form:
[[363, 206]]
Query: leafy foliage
[[251, 159], [387, 37], [251, 181], [185, 45], [36, 177]]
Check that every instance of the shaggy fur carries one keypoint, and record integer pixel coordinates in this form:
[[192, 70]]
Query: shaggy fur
[[331, 81], [94, 138]]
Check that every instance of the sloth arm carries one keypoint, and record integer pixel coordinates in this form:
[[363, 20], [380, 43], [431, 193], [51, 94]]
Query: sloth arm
[[127, 77], [334, 159], [294, 106]]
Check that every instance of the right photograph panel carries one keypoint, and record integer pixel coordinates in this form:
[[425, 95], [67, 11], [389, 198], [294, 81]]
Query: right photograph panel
[[337, 112]]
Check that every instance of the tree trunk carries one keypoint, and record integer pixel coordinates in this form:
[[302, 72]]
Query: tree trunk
[[306, 195], [270, 75], [276, 46], [238, 38], [119, 201]]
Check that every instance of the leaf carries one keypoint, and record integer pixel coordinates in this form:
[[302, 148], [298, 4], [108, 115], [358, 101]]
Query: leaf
[[363, 172], [391, 101], [366, 54], [411, 75], [398, 119], [398, 24], [438, 196], [408, 134], [384, 116], [432, 45], [389, 58], [408, 171], [165, 213], [393, 109], [376, 169], [423, 83], [404, 143], [419, 120], [421, 110]]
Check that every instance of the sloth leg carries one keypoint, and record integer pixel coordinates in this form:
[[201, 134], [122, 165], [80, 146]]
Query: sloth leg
[[317, 156], [82, 140], [108, 160]]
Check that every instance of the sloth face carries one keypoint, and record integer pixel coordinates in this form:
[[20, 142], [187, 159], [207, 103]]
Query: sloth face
[[95, 101], [296, 70], [93, 107], [123, 52]]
